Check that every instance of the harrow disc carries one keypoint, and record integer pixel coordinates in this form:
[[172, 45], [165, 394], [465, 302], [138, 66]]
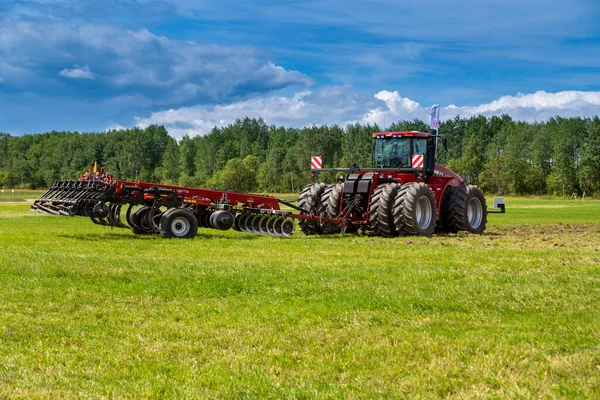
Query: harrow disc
[[249, 223], [288, 227], [243, 221], [237, 222], [89, 210], [271, 226], [263, 224], [101, 210], [141, 224], [256, 224]]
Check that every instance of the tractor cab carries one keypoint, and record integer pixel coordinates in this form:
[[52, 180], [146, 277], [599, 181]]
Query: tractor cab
[[404, 150]]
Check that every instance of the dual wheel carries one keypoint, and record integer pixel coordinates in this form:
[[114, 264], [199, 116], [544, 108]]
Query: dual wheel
[[463, 209], [396, 209], [325, 201], [173, 223], [411, 209], [408, 209]]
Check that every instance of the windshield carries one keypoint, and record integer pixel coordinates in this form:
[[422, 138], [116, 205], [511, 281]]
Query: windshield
[[396, 152]]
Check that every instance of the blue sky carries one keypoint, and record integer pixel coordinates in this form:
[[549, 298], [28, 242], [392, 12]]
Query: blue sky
[[192, 64]]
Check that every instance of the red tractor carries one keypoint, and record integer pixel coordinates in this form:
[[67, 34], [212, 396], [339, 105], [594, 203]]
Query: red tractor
[[405, 193]]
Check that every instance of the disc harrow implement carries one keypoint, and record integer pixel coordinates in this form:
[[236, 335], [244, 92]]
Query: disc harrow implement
[[171, 211]]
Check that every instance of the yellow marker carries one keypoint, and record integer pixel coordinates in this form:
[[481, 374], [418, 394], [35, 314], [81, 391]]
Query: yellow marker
[[95, 167]]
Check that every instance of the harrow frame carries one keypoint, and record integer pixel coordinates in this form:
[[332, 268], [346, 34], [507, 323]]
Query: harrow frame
[[102, 199]]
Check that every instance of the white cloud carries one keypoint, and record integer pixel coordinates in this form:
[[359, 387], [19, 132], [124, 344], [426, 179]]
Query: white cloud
[[115, 127], [326, 105], [342, 105], [540, 100], [78, 72]]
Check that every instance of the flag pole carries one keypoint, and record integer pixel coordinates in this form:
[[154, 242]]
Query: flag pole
[[434, 123]]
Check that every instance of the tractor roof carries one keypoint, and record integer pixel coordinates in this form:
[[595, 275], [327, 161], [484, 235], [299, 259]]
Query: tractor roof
[[407, 134]]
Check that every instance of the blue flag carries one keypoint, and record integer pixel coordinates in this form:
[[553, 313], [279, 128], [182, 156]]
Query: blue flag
[[434, 117]]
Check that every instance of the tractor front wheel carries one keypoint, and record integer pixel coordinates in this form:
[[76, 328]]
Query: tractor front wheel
[[179, 223], [415, 210]]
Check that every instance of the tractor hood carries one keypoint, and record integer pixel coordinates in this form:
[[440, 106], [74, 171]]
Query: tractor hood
[[446, 173]]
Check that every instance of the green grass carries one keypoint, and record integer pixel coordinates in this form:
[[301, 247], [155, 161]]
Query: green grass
[[18, 195], [89, 311]]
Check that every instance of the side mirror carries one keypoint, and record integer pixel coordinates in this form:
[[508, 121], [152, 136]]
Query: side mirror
[[445, 144]]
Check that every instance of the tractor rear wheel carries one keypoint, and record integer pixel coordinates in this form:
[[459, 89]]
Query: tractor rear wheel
[[179, 223], [454, 208], [476, 210], [310, 203], [330, 207], [381, 210], [415, 210]]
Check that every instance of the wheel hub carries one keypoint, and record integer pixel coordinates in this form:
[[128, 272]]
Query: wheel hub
[[424, 213], [474, 212], [180, 226]]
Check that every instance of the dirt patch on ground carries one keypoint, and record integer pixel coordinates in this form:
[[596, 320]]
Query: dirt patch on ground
[[539, 236]]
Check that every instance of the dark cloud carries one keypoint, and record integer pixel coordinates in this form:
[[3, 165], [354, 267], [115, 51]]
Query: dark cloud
[[44, 57]]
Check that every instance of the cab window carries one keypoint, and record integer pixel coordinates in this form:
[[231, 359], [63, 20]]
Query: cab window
[[419, 146]]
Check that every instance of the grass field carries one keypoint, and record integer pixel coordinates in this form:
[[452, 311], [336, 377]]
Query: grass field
[[18, 195], [89, 311]]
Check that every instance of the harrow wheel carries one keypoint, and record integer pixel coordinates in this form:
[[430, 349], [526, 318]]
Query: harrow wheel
[[310, 203], [415, 210], [178, 223]]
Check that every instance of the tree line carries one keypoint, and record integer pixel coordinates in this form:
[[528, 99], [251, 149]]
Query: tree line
[[560, 156]]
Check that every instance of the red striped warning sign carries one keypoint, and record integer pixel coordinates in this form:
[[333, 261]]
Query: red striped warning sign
[[417, 161], [316, 162]]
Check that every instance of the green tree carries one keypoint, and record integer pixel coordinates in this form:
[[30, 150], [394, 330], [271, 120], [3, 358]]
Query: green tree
[[170, 161], [238, 175], [589, 176]]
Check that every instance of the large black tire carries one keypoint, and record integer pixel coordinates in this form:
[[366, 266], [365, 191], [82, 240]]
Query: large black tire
[[310, 203], [179, 223], [476, 210], [381, 210], [415, 210], [330, 207], [454, 209]]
